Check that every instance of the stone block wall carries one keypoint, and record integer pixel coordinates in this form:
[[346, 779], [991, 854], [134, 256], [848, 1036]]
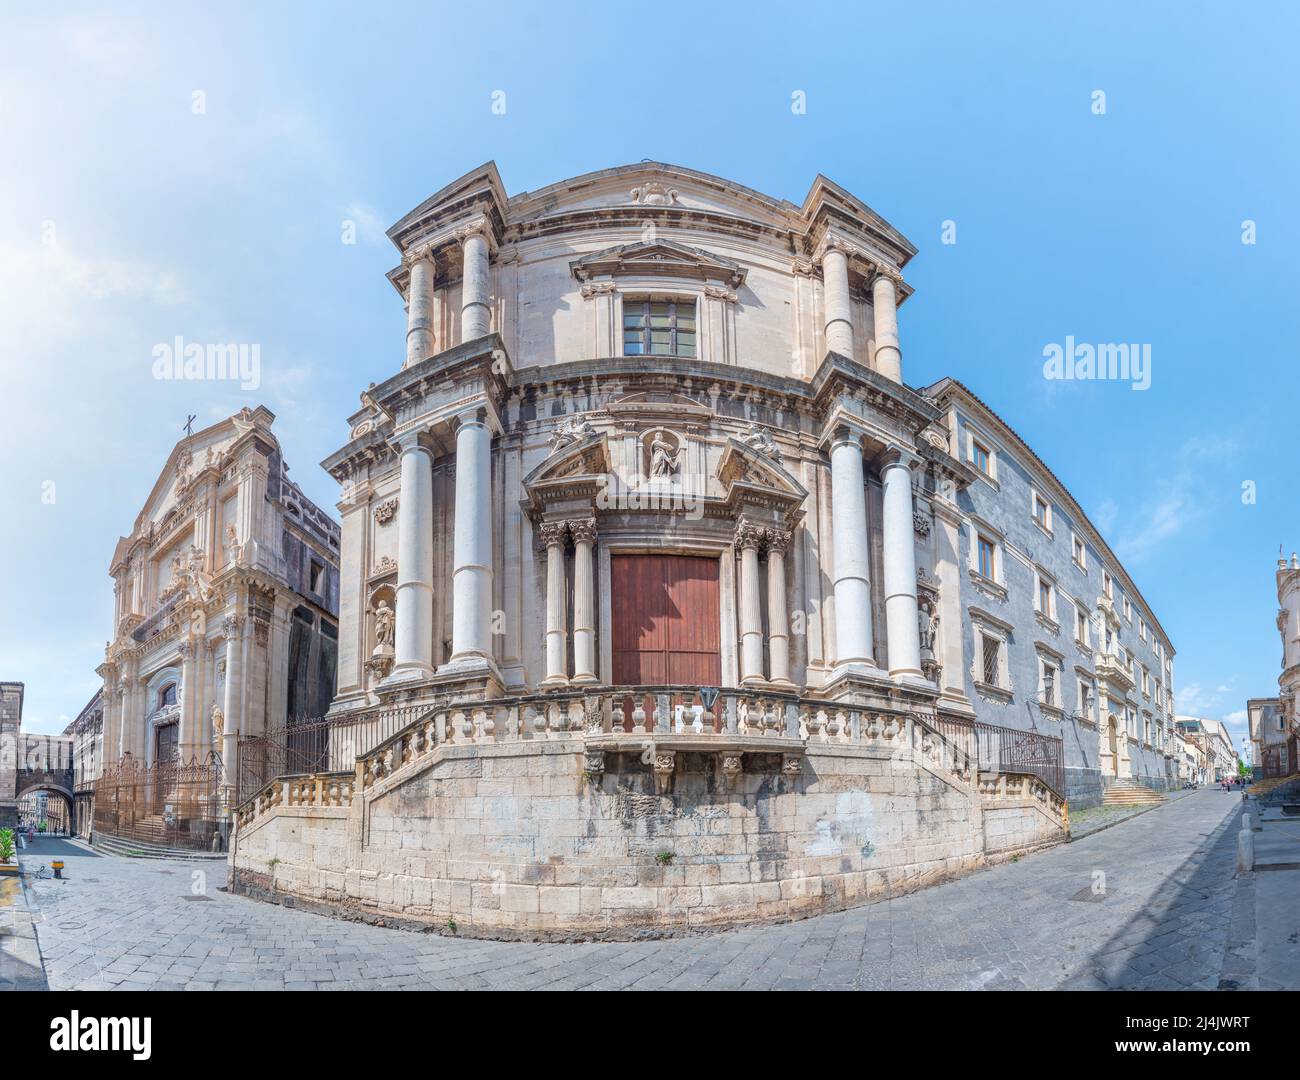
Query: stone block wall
[[508, 841]]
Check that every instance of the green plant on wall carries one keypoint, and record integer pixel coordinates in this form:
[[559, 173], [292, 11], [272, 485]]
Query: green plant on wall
[[7, 846]]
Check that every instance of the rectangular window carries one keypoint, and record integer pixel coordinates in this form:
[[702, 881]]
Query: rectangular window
[[980, 455], [1085, 699], [658, 327], [1128, 611], [989, 659], [1049, 684], [1080, 626], [1142, 628], [987, 560], [1045, 598], [1080, 554], [1107, 586], [1042, 511]]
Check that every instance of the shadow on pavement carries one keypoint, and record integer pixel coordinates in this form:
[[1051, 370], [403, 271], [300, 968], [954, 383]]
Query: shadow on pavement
[[1180, 937]]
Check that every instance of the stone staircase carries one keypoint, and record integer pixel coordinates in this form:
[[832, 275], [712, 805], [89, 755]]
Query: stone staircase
[[144, 849], [1125, 791]]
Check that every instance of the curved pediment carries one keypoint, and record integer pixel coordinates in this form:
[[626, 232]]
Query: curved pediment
[[658, 258]]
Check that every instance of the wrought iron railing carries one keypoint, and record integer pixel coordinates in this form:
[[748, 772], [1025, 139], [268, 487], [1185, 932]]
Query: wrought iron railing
[[314, 745], [172, 804]]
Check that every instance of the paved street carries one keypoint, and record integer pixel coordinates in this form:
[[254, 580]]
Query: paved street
[[1167, 913]]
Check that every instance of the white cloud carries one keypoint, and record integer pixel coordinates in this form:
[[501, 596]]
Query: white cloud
[[369, 222]]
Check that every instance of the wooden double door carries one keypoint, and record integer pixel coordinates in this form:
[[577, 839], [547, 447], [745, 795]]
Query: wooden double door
[[666, 621]]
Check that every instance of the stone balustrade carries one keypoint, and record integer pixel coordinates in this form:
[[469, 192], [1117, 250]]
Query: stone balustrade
[[658, 723]]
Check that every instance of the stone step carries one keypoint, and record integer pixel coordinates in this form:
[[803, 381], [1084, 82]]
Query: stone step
[[142, 849], [1132, 798]]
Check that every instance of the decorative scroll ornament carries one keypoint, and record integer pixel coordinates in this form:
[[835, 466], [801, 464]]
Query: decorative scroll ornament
[[920, 523], [385, 511], [654, 194]]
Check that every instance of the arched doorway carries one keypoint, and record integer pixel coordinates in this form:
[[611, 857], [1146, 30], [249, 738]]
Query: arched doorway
[[1112, 743]]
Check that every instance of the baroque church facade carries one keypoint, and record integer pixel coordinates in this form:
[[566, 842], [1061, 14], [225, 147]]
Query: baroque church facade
[[699, 611], [225, 601]]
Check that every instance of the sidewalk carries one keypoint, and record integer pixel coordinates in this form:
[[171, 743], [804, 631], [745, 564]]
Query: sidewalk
[[20, 955]]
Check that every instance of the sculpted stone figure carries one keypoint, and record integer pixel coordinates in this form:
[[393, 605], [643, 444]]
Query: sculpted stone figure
[[383, 628], [663, 457], [218, 721]]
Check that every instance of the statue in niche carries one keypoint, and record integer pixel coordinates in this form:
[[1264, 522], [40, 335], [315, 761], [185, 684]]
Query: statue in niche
[[218, 722], [383, 629], [663, 457], [928, 625]]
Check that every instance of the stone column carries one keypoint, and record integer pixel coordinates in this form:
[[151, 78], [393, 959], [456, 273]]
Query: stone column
[[189, 702], [850, 554], [413, 627], [232, 721], [475, 316], [583, 532], [839, 307], [778, 608], [471, 591], [557, 636], [884, 305], [419, 306], [748, 539], [901, 624]]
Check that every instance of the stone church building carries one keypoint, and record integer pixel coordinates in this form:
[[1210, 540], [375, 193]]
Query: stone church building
[[225, 601], [696, 611]]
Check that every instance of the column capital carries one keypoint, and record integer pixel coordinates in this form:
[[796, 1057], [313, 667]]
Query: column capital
[[478, 415], [419, 253], [413, 438], [479, 226], [552, 533], [583, 530], [749, 535], [893, 456], [880, 272], [778, 540]]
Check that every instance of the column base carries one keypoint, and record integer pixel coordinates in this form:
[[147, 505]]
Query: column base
[[584, 680], [784, 685], [554, 682], [405, 674], [470, 664], [755, 682], [913, 676]]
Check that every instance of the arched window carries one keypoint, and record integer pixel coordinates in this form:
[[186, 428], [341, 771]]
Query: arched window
[[167, 695]]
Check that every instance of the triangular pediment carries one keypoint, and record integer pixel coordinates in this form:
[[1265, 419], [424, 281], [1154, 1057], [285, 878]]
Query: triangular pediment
[[658, 257]]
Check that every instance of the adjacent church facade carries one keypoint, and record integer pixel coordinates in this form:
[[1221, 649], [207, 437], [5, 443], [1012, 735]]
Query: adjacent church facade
[[692, 609], [225, 601]]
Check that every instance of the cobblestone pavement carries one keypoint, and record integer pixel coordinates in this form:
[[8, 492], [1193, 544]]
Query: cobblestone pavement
[[1171, 915]]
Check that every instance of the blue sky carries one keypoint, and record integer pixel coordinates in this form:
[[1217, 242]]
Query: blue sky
[[127, 219]]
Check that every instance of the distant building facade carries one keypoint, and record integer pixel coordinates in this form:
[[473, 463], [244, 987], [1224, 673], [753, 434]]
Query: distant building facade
[[1218, 757], [87, 734], [1057, 637], [11, 718], [225, 602]]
